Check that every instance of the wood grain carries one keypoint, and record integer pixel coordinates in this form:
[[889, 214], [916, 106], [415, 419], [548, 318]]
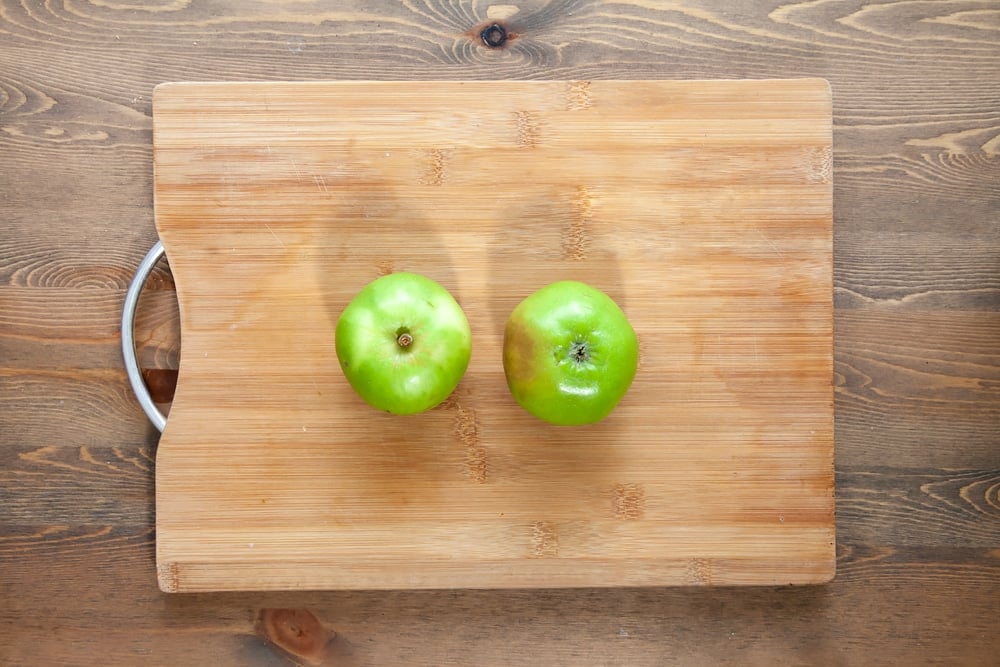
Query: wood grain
[[955, 508], [917, 389], [899, 585], [916, 121], [117, 479], [277, 202], [914, 506], [36, 330]]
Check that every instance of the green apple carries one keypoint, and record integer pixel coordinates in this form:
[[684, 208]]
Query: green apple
[[403, 343], [569, 354]]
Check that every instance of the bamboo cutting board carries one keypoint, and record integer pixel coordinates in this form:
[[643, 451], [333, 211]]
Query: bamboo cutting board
[[702, 208]]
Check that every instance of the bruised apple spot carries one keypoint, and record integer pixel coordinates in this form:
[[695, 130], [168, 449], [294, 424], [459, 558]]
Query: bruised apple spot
[[518, 351]]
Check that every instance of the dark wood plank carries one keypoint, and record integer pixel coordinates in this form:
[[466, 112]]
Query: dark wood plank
[[917, 389], [921, 270], [930, 508], [908, 596], [43, 485], [69, 407], [79, 328]]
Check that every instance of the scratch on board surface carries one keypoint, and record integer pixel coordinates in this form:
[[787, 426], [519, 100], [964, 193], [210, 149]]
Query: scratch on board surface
[[275, 236], [771, 244]]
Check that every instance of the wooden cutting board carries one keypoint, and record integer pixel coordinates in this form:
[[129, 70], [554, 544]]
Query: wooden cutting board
[[702, 207]]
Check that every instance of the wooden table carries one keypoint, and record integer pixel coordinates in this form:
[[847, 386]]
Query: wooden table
[[917, 314]]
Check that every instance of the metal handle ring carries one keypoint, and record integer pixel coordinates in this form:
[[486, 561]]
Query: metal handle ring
[[128, 337]]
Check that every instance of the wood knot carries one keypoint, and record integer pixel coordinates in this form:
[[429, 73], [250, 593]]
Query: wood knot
[[699, 571], [297, 632], [494, 35], [818, 164], [466, 426], [466, 429], [576, 231], [544, 540], [629, 501], [477, 464], [166, 574], [578, 96], [436, 161], [528, 131]]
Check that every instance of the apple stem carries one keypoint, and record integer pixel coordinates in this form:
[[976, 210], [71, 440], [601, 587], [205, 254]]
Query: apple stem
[[404, 339]]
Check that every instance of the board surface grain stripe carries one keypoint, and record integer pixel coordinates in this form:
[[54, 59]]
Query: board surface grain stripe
[[703, 208]]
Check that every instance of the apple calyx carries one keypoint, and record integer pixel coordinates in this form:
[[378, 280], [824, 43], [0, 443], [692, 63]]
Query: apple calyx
[[579, 352]]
